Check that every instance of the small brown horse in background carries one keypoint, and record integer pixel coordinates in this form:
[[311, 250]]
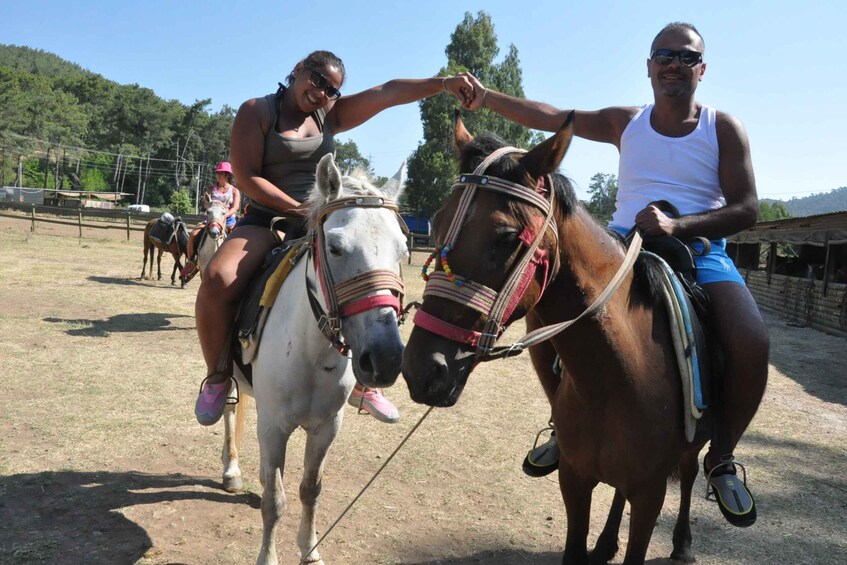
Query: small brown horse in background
[[617, 407], [165, 236]]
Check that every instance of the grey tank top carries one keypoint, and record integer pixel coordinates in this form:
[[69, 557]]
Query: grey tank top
[[290, 163]]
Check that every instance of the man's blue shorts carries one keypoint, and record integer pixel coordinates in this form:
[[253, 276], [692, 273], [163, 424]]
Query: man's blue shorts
[[711, 268]]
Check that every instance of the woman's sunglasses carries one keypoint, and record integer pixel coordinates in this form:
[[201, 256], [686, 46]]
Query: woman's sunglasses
[[687, 58], [322, 83]]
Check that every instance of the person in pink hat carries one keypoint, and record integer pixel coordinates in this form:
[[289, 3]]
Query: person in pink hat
[[277, 141], [222, 191]]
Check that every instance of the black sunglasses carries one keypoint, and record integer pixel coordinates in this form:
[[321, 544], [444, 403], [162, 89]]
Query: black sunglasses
[[322, 83], [687, 58]]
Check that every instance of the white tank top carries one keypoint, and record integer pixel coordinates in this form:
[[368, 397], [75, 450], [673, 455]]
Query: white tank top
[[681, 170]]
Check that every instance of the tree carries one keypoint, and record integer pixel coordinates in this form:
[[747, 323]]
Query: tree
[[604, 191], [473, 47], [769, 212], [347, 157], [181, 202]]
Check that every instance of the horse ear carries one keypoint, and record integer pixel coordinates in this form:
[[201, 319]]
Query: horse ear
[[545, 157], [328, 177], [394, 186], [461, 136]]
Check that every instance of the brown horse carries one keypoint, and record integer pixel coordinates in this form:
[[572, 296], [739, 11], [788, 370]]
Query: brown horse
[[165, 234], [618, 405]]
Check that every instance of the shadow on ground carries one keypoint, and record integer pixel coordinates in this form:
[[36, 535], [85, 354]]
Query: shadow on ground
[[74, 517], [805, 365], [133, 323]]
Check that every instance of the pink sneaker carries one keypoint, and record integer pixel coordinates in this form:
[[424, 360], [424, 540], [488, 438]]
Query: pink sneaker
[[372, 401], [211, 401]]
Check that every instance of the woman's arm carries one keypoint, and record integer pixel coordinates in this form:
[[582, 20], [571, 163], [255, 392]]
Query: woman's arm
[[248, 148], [235, 204], [351, 111]]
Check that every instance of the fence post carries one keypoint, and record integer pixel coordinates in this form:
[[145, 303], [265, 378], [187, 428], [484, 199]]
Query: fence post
[[127, 227], [80, 226], [32, 227]]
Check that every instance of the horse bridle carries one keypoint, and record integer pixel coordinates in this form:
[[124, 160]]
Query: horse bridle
[[222, 227], [356, 294], [496, 306]]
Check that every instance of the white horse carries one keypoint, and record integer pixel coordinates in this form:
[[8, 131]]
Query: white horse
[[215, 234], [343, 294]]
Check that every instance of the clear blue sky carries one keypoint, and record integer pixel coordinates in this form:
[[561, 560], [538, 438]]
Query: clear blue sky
[[778, 66]]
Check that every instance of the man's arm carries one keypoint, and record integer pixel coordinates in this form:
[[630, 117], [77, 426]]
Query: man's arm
[[735, 172], [604, 125]]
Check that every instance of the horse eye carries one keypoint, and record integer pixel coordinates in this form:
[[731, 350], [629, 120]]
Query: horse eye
[[506, 236], [335, 251]]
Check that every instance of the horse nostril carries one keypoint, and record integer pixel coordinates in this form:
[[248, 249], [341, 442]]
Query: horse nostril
[[366, 363]]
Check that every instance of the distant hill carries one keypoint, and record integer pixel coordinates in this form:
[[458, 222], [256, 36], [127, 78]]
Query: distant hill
[[39, 62], [812, 205]]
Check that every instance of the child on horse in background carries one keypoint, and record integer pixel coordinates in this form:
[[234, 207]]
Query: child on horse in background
[[277, 141], [224, 192]]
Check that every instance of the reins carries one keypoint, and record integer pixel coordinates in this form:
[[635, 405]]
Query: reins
[[543, 334], [367, 485]]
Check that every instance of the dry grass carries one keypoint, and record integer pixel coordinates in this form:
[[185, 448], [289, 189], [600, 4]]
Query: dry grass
[[102, 461]]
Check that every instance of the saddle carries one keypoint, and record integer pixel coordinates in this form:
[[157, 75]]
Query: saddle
[[164, 230]]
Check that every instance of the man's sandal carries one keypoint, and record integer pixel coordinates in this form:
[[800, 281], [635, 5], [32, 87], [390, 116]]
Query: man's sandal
[[542, 459], [730, 492]]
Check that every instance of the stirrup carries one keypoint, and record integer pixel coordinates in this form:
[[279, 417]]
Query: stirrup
[[532, 463]]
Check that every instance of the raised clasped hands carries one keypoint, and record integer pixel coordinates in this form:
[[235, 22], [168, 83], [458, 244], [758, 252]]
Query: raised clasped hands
[[467, 89]]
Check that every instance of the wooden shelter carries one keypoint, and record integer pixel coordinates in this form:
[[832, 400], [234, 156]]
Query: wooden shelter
[[797, 267]]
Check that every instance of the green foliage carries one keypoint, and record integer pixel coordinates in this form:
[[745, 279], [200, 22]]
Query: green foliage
[[473, 47], [181, 202], [769, 212], [46, 102], [347, 157], [604, 191], [93, 179]]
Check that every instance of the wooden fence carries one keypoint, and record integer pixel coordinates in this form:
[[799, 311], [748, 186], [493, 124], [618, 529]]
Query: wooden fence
[[91, 218]]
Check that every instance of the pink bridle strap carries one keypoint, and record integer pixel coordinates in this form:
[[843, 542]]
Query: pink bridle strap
[[445, 329], [372, 301]]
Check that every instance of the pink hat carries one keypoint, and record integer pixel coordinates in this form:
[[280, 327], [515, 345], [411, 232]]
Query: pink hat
[[224, 167]]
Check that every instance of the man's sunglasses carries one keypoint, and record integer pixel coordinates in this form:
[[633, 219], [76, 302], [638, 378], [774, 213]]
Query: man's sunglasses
[[322, 83], [666, 56]]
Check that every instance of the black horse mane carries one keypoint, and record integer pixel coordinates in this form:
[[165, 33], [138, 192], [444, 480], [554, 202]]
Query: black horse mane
[[647, 272]]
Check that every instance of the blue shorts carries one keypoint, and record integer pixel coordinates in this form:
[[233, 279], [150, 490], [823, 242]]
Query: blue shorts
[[230, 222], [711, 268]]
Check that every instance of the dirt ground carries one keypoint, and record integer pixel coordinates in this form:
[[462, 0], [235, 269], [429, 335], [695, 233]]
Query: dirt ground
[[101, 460]]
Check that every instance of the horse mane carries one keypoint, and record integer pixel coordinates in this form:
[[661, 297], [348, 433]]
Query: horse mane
[[357, 182], [646, 272]]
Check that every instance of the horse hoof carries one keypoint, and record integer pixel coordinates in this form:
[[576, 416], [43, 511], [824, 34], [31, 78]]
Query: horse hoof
[[233, 484], [683, 556]]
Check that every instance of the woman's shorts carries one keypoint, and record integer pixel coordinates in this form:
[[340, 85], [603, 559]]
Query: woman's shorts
[[711, 268], [255, 217]]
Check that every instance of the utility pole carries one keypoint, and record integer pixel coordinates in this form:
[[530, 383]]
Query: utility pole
[[47, 167]]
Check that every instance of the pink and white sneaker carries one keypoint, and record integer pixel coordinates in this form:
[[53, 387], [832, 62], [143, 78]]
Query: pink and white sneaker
[[211, 401], [372, 401]]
